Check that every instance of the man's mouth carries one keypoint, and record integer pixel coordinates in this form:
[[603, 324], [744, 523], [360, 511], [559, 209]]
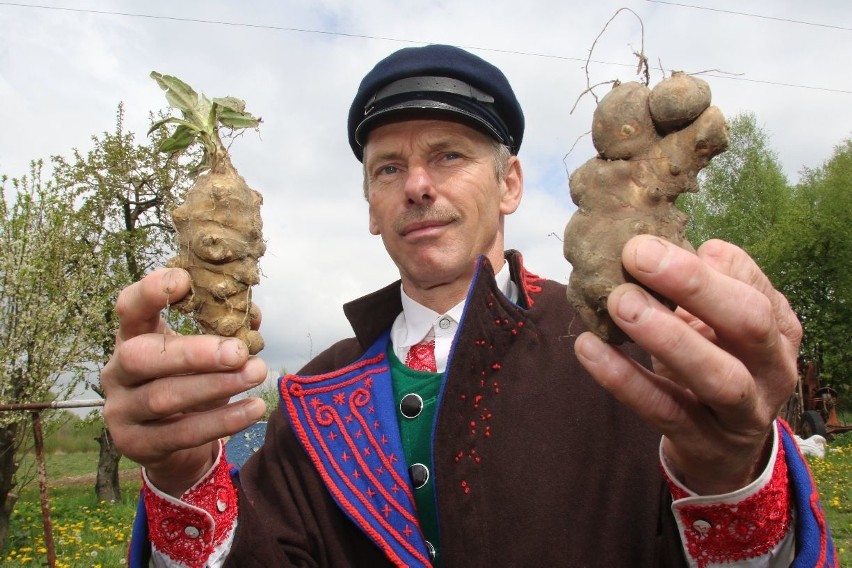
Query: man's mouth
[[423, 226]]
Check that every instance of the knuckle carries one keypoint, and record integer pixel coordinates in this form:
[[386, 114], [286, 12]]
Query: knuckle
[[758, 321], [183, 434], [731, 388], [160, 398]]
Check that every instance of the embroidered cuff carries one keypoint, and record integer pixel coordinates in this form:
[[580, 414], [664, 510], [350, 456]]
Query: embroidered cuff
[[735, 526], [190, 529]]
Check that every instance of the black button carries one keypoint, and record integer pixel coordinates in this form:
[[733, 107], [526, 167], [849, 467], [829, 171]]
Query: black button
[[411, 405], [419, 475]]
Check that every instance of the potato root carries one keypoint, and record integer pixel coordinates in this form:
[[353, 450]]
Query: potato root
[[218, 226], [651, 145]]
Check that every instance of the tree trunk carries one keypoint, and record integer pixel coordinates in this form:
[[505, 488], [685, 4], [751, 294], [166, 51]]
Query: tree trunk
[[106, 484], [8, 468], [5, 516]]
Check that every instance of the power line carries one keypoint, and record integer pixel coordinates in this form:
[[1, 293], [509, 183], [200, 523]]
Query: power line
[[398, 40], [764, 17]]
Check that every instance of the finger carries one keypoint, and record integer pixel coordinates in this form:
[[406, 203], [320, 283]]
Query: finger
[[716, 377], [738, 312], [139, 305], [658, 401], [750, 319], [154, 444], [170, 396], [150, 356], [699, 326], [734, 262]]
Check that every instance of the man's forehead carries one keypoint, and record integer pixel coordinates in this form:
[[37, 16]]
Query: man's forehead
[[429, 132]]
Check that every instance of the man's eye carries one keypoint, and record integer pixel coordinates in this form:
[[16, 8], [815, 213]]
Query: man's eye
[[388, 170], [452, 156]]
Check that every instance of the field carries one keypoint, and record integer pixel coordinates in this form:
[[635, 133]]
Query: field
[[90, 534], [86, 533]]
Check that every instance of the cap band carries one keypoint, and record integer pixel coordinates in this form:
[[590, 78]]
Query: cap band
[[428, 85], [433, 93]]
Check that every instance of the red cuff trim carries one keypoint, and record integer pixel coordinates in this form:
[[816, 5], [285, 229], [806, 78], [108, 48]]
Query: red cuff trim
[[188, 531], [738, 531]]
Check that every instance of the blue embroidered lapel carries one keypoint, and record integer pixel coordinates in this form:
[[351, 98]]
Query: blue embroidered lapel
[[346, 421]]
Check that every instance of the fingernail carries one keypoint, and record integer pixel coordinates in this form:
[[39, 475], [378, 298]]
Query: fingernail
[[589, 347], [232, 352], [651, 255], [632, 306], [254, 408], [170, 280], [247, 410]]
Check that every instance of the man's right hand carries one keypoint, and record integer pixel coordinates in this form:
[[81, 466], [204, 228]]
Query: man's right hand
[[168, 396]]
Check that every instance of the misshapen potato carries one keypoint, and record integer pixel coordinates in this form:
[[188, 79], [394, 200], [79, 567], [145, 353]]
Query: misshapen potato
[[651, 145], [219, 233]]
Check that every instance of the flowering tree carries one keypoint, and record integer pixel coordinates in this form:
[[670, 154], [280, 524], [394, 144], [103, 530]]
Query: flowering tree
[[50, 269], [127, 190]]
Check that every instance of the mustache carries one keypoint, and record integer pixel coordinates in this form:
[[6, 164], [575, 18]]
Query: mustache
[[436, 213]]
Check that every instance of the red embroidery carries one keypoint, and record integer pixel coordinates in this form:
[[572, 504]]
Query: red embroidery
[[189, 535], [529, 281], [738, 531]]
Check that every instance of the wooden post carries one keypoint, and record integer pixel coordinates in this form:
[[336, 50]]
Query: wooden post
[[35, 408], [38, 436]]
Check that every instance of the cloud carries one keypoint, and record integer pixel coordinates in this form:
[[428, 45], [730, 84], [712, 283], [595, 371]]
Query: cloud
[[63, 73]]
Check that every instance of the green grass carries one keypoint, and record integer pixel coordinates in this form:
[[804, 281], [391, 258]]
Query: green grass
[[86, 533], [62, 468], [833, 475], [92, 534]]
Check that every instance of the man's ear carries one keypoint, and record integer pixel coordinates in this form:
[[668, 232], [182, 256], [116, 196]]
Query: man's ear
[[512, 186], [374, 225]]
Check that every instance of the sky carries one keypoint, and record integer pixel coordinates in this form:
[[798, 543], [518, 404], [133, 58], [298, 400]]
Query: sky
[[66, 66]]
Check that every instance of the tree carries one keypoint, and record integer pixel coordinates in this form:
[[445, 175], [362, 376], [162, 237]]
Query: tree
[[809, 258], [799, 236], [50, 270], [128, 190], [743, 191]]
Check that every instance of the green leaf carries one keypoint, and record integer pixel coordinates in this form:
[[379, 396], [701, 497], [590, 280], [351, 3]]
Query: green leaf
[[236, 120], [160, 123], [232, 103], [205, 109], [180, 95], [180, 139]]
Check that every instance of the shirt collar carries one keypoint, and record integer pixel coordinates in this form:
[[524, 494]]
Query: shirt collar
[[419, 320]]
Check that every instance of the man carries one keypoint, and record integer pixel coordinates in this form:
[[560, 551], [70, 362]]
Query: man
[[460, 426]]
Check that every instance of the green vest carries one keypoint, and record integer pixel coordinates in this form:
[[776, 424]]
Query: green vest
[[416, 436]]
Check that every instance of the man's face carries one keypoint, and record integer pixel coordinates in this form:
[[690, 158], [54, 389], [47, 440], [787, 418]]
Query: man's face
[[436, 201]]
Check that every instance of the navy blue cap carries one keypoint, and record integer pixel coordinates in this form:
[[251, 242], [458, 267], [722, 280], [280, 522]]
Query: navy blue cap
[[436, 79]]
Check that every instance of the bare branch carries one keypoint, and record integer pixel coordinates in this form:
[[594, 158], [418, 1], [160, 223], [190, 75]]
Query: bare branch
[[613, 82], [574, 145], [642, 67]]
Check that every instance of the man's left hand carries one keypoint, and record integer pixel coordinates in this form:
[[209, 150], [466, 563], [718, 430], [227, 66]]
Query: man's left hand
[[724, 362]]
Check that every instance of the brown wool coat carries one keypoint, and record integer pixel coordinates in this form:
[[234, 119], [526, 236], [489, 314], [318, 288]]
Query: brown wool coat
[[535, 464]]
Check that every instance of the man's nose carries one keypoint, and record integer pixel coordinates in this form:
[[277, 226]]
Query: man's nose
[[419, 187]]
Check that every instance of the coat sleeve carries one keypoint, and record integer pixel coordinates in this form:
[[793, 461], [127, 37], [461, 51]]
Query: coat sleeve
[[775, 521]]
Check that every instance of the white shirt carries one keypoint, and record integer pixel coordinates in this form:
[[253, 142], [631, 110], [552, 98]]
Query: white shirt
[[417, 323]]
